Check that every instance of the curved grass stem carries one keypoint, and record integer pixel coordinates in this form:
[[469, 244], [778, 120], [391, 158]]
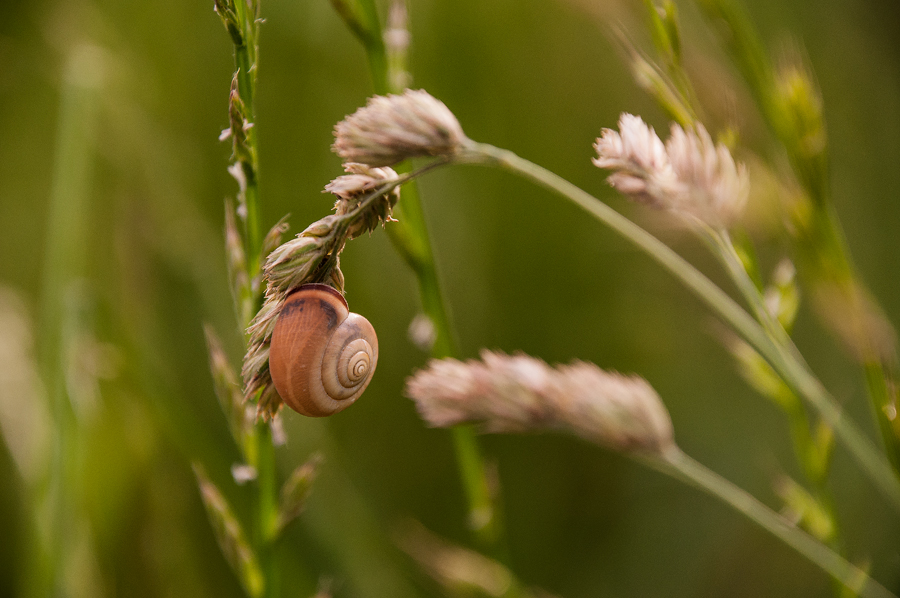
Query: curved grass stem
[[783, 360], [682, 467], [823, 254]]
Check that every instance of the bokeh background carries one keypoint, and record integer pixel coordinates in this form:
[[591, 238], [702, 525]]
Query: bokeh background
[[522, 271]]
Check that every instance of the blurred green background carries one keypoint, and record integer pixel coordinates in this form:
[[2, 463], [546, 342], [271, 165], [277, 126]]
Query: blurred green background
[[522, 270]]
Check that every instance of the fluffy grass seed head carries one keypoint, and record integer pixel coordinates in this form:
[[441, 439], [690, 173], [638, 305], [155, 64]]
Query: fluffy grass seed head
[[717, 187], [519, 393], [392, 128], [639, 159], [690, 174], [353, 186]]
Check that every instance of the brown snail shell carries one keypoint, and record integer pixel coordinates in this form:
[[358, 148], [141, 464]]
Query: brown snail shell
[[322, 357]]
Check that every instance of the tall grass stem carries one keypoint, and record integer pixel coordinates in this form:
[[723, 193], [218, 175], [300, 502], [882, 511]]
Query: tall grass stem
[[410, 238], [245, 59], [261, 452]]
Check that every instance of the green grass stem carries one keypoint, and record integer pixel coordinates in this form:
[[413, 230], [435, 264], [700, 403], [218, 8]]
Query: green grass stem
[[810, 455], [680, 466], [819, 243], [266, 506], [794, 372], [245, 59], [261, 450], [409, 236]]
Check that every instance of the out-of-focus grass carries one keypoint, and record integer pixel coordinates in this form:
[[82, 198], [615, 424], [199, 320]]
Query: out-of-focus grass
[[522, 271]]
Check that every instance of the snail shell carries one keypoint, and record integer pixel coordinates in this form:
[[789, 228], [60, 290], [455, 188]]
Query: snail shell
[[322, 357]]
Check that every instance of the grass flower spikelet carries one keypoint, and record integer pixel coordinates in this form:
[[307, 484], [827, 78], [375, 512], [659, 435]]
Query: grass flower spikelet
[[353, 186], [690, 174], [519, 393]]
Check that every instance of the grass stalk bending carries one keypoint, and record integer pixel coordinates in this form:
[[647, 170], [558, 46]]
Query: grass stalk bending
[[795, 373], [680, 466], [791, 105]]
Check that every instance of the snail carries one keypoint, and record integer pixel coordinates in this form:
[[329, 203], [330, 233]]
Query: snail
[[322, 357]]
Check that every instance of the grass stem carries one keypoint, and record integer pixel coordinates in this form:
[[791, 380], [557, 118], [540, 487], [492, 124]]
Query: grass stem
[[409, 236], [260, 449], [795, 373], [823, 254], [682, 467]]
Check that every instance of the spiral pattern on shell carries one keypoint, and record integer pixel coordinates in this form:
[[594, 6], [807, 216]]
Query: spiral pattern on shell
[[322, 357]]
